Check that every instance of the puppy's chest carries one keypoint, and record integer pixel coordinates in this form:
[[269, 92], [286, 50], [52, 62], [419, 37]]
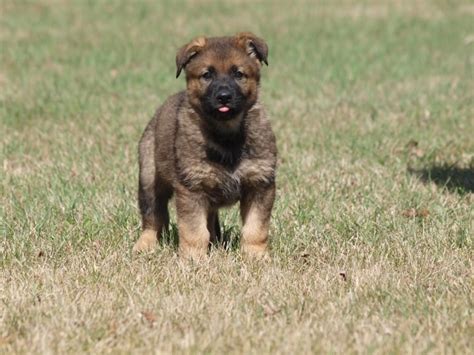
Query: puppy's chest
[[223, 182]]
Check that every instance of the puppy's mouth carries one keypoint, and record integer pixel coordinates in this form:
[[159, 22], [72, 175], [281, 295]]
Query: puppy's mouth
[[225, 113], [224, 109]]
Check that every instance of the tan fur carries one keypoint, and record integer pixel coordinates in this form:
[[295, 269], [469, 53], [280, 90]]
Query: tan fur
[[208, 163], [147, 241], [194, 236], [255, 211]]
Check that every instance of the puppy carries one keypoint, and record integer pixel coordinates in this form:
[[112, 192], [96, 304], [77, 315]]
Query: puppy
[[211, 146]]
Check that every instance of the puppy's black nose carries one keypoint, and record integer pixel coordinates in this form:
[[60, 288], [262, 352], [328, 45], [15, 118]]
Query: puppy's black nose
[[224, 96]]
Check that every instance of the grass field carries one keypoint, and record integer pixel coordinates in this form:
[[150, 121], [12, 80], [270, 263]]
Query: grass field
[[372, 246]]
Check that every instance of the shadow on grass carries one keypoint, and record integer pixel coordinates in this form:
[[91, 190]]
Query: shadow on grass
[[229, 239], [454, 179], [171, 236]]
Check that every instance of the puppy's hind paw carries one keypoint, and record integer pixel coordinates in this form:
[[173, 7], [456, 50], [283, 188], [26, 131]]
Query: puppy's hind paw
[[147, 241]]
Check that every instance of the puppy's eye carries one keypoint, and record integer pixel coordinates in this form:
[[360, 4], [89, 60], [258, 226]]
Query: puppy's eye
[[207, 76], [238, 74]]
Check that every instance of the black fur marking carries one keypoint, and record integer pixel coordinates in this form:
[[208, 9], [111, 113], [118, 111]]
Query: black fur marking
[[231, 147], [210, 103], [145, 203], [227, 158]]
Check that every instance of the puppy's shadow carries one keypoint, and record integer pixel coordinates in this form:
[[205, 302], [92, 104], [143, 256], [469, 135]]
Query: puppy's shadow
[[454, 179], [170, 237], [229, 237]]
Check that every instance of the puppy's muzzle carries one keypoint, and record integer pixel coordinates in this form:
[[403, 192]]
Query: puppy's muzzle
[[223, 96]]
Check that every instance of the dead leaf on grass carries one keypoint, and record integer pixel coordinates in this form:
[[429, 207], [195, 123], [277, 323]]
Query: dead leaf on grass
[[270, 310], [412, 213], [5, 340], [149, 316], [303, 257], [423, 213], [412, 144], [113, 327], [414, 149], [409, 213]]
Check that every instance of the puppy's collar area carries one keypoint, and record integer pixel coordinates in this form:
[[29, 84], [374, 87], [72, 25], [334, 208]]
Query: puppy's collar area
[[227, 158], [226, 152], [230, 127]]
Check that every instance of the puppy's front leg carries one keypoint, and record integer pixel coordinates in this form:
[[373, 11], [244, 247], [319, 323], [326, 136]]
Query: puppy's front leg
[[192, 212], [255, 208]]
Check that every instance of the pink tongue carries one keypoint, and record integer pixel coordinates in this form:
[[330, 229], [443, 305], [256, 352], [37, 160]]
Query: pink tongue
[[224, 109]]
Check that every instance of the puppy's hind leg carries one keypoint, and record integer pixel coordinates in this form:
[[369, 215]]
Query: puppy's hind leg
[[155, 218]]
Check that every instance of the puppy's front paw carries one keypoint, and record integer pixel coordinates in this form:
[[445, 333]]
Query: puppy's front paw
[[256, 251], [147, 241], [193, 253]]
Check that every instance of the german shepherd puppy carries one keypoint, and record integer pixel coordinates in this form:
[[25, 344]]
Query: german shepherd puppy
[[211, 146]]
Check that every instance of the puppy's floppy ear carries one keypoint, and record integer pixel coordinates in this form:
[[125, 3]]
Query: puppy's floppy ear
[[187, 52], [253, 45]]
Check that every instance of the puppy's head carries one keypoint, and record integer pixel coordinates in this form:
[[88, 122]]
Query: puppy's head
[[222, 73]]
